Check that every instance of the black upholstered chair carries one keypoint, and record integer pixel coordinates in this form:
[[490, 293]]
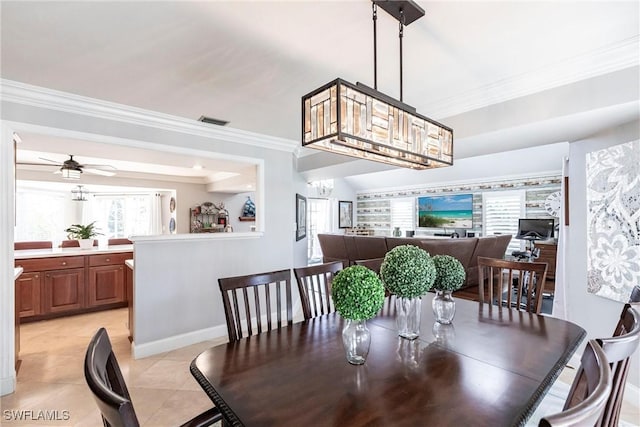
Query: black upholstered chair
[[104, 378]]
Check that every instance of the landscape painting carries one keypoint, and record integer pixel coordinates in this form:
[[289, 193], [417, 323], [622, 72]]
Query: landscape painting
[[450, 211]]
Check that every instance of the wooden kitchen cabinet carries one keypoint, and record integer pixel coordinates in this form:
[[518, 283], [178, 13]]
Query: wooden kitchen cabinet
[[63, 291], [106, 285], [548, 254], [28, 301], [62, 285]]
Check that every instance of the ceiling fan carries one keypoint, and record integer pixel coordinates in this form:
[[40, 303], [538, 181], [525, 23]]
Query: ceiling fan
[[71, 169]]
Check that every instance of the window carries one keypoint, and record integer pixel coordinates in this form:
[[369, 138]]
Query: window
[[319, 222], [403, 214], [121, 215], [500, 213], [40, 215]]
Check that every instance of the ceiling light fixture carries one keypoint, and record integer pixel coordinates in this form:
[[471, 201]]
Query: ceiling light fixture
[[70, 173], [79, 194], [358, 121]]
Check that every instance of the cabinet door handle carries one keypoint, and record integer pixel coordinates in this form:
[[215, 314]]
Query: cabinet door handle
[[108, 259], [47, 275], [36, 276], [64, 262]]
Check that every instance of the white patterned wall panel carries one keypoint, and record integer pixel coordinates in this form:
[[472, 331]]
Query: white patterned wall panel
[[613, 220]]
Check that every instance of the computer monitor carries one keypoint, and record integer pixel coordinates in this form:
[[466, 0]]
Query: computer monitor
[[535, 229]]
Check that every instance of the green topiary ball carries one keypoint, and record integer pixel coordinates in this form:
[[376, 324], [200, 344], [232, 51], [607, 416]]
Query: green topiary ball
[[357, 292], [408, 271], [450, 273]]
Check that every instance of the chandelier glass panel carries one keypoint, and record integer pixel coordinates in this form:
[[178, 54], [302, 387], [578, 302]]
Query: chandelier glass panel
[[358, 121]]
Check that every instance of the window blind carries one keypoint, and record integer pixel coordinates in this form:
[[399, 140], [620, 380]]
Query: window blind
[[500, 212], [403, 214]]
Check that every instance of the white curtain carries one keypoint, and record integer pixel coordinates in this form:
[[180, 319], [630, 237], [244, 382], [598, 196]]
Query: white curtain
[[156, 214], [559, 300]]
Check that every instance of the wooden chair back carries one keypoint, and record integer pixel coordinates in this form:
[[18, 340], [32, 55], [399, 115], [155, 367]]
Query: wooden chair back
[[314, 285], [619, 350], [119, 241], [104, 378], [32, 245], [243, 298], [74, 243], [587, 410], [372, 264], [499, 276]]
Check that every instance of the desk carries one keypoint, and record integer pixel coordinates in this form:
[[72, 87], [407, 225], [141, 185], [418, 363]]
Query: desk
[[490, 369]]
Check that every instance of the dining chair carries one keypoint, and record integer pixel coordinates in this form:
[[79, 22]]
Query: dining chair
[[119, 241], [253, 291], [619, 350], [32, 245], [314, 285], [518, 284], [372, 264], [74, 243], [597, 381], [104, 378]]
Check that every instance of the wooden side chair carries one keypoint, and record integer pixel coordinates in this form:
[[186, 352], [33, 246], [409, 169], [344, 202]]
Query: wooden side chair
[[372, 264], [586, 410], [32, 245], [253, 299], [104, 378], [498, 275], [119, 241], [619, 350], [314, 285]]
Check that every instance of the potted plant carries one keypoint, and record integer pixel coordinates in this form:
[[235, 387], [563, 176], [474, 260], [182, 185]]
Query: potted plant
[[450, 276], [358, 295], [408, 272], [84, 234]]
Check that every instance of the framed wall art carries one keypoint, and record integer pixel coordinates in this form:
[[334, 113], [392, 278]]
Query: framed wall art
[[301, 217], [345, 214]]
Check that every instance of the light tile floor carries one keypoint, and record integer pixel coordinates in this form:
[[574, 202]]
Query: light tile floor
[[162, 389], [51, 376]]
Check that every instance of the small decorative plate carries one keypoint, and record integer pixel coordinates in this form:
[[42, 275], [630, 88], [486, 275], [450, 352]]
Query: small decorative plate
[[172, 225], [172, 204]]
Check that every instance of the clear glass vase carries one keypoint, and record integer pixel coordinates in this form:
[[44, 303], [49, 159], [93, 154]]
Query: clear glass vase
[[444, 307], [408, 317], [356, 339]]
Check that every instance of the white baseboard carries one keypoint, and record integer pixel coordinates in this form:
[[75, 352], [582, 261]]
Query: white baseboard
[[177, 341], [632, 394], [7, 385]]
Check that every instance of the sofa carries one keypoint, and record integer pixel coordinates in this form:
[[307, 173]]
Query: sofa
[[350, 249]]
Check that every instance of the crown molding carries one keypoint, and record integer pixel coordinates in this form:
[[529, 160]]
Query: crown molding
[[36, 96], [608, 59]]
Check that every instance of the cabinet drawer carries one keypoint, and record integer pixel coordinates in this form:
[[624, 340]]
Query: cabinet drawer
[[109, 259], [53, 263]]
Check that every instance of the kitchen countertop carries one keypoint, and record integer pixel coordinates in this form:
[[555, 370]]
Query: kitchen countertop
[[129, 263], [58, 252], [17, 271]]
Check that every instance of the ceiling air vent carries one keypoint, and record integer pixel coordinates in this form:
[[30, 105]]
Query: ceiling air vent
[[212, 121]]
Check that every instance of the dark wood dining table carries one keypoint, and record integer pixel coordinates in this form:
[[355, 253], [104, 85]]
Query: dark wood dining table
[[490, 367]]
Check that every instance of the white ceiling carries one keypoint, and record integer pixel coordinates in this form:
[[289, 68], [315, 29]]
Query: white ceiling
[[249, 62]]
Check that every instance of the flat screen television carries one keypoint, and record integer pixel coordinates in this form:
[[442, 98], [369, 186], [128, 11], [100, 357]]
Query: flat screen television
[[450, 211], [535, 229]]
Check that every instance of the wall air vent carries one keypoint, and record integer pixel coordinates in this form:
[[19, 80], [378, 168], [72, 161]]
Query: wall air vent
[[212, 121]]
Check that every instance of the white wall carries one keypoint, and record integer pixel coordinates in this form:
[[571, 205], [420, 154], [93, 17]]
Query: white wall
[[597, 315], [176, 297]]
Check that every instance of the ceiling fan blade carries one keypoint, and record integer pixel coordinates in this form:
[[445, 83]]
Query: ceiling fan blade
[[51, 161], [99, 172], [98, 167], [35, 164]]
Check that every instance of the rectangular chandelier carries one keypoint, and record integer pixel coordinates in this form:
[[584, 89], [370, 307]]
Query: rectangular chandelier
[[358, 121]]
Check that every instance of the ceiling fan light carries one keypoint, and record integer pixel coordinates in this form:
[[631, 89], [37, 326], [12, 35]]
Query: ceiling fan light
[[70, 173]]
